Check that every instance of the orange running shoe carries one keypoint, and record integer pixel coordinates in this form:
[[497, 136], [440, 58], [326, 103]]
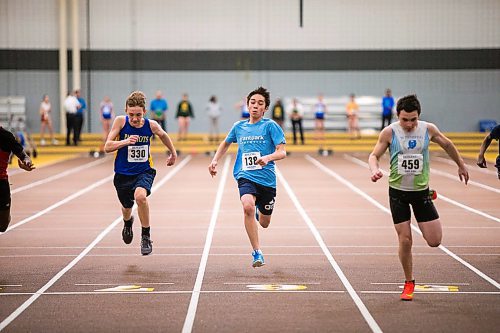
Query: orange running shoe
[[407, 294]]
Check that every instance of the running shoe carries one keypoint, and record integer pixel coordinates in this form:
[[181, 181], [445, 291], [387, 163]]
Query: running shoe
[[146, 245], [258, 259], [407, 294], [127, 233]]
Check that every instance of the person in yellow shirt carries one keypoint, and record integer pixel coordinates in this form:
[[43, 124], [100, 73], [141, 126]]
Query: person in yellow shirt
[[184, 115], [352, 109]]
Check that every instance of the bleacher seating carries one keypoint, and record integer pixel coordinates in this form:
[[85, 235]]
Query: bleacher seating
[[370, 110], [12, 108]]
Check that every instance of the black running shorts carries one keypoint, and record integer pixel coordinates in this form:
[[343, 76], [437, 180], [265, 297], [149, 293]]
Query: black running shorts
[[423, 207], [4, 194], [264, 195], [125, 186]]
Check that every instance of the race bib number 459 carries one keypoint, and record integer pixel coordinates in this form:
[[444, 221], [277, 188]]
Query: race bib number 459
[[249, 161], [137, 154], [410, 164]]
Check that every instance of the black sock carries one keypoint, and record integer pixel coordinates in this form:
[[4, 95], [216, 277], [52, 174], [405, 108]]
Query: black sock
[[128, 223], [145, 231]]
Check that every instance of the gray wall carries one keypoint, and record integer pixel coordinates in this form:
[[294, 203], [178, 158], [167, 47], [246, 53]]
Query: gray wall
[[454, 99]]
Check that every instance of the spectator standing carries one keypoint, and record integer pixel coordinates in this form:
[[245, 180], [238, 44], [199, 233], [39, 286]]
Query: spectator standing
[[319, 110], [278, 112], [387, 107], [71, 106], [80, 115], [184, 115], [352, 109], [158, 108], [107, 114], [46, 121], [296, 113], [243, 109], [214, 111]]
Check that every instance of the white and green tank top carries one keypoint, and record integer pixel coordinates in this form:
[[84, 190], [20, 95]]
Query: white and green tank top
[[409, 158]]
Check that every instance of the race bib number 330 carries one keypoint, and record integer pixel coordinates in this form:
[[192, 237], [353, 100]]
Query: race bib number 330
[[249, 161], [410, 164], [137, 154]]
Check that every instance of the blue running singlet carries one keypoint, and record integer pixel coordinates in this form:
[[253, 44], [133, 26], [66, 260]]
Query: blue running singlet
[[134, 159]]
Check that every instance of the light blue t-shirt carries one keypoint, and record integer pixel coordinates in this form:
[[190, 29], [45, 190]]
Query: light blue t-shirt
[[254, 139]]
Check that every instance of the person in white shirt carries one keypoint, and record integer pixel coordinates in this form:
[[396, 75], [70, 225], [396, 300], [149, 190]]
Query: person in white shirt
[[46, 120], [71, 106], [214, 111]]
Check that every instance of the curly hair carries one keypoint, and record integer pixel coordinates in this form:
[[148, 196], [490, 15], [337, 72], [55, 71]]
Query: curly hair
[[136, 98]]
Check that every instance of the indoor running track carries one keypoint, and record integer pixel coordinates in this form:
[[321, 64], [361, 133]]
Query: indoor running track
[[331, 253]]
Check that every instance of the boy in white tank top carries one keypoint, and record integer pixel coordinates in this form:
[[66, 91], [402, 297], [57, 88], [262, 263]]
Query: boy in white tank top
[[408, 142]]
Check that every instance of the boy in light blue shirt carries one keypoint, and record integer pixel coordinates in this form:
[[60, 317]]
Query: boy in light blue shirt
[[261, 141]]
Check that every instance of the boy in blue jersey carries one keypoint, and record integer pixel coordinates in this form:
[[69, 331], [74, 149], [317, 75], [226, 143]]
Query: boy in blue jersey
[[134, 173], [261, 141]]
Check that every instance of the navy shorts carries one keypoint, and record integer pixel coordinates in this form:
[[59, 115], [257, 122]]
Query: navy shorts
[[264, 196], [423, 207], [4, 194], [319, 115], [125, 185]]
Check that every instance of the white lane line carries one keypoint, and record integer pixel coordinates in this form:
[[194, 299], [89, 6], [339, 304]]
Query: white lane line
[[360, 227], [267, 282], [59, 175], [113, 255], [193, 303], [359, 303], [470, 182], [470, 209], [238, 247], [469, 166], [122, 284], [72, 293], [386, 210], [59, 203], [51, 282], [441, 196], [434, 292], [18, 171], [433, 283]]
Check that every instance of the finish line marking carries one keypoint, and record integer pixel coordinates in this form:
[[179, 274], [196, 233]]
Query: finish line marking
[[276, 287], [126, 289]]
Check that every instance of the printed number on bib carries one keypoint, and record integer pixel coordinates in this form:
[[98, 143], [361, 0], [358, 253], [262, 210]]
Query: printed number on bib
[[410, 164], [249, 161], [138, 154]]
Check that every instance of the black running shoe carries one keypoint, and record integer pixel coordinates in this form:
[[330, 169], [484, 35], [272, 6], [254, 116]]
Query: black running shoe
[[127, 233], [146, 245]]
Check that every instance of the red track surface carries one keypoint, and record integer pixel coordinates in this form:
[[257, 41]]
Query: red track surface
[[51, 269]]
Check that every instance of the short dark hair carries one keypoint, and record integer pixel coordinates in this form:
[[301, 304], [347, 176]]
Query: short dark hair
[[409, 103], [260, 91]]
